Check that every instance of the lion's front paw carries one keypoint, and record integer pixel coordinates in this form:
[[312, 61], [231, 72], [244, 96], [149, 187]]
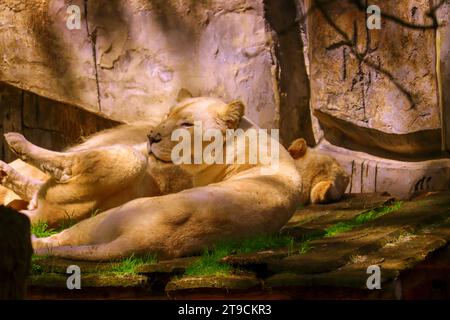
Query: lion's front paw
[[18, 144], [322, 192]]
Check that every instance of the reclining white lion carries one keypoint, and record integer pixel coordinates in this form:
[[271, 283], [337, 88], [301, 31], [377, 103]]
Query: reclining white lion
[[177, 209]]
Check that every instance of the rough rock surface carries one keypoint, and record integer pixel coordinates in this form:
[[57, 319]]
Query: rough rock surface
[[387, 100], [410, 245], [443, 35], [369, 173], [130, 58]]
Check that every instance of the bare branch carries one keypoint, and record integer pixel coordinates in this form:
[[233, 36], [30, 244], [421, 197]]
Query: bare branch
[[362, 58], [362, 6]]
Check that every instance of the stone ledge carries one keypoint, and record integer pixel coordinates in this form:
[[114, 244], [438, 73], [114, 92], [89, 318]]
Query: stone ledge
[[55, 280], [371, 174], [399, 242], [174, 266], [226, 282]]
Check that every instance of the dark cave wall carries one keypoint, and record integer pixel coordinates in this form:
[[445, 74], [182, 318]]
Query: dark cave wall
[[44, 122]]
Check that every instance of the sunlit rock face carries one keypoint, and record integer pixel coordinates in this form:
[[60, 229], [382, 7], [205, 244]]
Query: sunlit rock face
[[443, 35], [385, 116], [39, 53], [148, 50], [129, 59], [386, 102]]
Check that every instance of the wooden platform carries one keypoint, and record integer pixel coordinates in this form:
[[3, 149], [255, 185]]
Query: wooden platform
[[410, 245]]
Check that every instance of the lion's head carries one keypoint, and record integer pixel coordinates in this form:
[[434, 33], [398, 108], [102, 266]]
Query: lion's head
[[210, 112]]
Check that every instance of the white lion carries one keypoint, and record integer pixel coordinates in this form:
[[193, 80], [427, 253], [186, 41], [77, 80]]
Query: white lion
[[151, 204]]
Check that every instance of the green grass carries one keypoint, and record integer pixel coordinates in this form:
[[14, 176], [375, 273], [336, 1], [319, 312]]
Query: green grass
[[304, 246], [120, 267], [35, 268], [262, 242], [361, 219], [349, 225], [341, 227], [129, 265], [41, 229], [95, 212], [209, 262]]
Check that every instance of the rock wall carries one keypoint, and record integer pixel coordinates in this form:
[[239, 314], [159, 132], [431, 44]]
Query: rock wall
[[380, 97], [443, 36], [129, 59], [377, 90]]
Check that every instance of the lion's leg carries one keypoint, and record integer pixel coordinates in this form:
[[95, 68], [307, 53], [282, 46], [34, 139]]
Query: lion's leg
[[24, 187], [84, 241], [98, 252], [182, 223], [56, 164], [99, 179]]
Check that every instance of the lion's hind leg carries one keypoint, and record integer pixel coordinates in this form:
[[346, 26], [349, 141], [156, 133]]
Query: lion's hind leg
[[56, 164]]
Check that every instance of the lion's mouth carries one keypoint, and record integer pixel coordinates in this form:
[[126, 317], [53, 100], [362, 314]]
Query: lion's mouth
[[158, 158], [155, 154]]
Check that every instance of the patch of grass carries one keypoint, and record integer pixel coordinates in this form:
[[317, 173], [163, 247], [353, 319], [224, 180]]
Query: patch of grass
[[35, 268], [262, 242], [338, 228], [209, 262], [304, 247], [341, 227], [129, 265], [361, 219], [41, 229], [95, 212], [35, 257]]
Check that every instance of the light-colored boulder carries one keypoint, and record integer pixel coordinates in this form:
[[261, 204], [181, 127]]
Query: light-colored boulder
[[399, 178]]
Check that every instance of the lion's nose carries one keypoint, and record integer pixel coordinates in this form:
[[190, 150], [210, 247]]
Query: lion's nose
[[154, 138]]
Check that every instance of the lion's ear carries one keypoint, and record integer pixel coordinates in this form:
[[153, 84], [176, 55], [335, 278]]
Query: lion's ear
[[298, 148], [233, 114], [183, 94]]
